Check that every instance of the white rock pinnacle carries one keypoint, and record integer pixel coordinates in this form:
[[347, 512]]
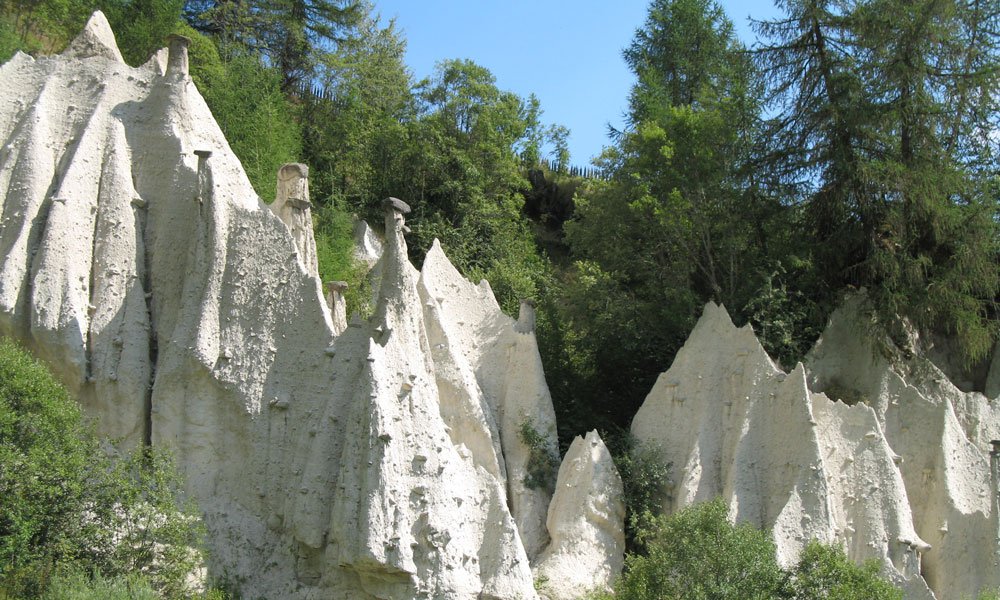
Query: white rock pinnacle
[[377, 459], [587, 523], [902, 476]]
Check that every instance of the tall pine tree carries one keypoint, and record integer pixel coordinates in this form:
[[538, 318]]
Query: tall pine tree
[[886, 111]]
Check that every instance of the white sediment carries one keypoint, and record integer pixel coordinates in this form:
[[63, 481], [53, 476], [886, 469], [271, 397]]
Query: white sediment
[[373, 460]]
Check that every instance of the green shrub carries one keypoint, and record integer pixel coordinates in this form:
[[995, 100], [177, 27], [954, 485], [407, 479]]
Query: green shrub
[[64, 503], [645, 479], [10, 42], [76, 585], [543, 460], [698, 553], [334, 232], [825, 572]]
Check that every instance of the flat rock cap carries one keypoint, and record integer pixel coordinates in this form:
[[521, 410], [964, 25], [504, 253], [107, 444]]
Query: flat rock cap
[[181, 39], [336, 286], [397, 205], [289, 170]]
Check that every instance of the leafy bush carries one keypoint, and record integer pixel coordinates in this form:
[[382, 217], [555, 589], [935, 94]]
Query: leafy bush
[[825, 572], [543, 460], [77, 585], [645, 478], [65, 502], [334, 233], [698, 554], [10, 42]]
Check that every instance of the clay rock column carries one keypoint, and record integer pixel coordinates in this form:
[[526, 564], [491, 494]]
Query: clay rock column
[[292, 206], [338, 305], [526, 317], [177, 57], [587, 523]]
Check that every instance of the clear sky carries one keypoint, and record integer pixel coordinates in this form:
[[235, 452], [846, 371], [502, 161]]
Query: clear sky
[[569, 54]]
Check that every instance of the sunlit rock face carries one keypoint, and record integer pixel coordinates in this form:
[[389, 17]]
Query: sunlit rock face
[[942, 435], [587, 523], [901, 474], [375, 458]]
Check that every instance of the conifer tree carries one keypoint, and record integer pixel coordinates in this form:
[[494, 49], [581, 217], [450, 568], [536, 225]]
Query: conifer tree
[[886, 109]]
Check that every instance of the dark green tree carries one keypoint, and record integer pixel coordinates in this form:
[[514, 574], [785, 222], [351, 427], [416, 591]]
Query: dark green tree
[[464, 179], [246, 100], [885, 109], [303, 31], [294, 35], [682, 219], [355, 134]]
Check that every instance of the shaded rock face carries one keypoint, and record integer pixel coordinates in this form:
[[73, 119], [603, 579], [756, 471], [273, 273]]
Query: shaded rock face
[[902, 477], [370, 459]]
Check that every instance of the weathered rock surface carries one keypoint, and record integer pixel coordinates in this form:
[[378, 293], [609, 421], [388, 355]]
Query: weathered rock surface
[[292, 205], [492, 383], [376, 459], [942, 436], [902, 477], [587, 523]]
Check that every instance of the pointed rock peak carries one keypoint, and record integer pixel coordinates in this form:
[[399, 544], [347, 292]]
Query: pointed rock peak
[[715, 317], [442, 279], [96, 39], [593, 440], [715, 325], [20, 57], [157, 63], [488, 292], [797, 375], [437, 265], [436, 253], [586, 521]]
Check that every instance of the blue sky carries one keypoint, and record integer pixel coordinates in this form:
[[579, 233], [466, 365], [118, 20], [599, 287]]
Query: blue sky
[[569, 54]]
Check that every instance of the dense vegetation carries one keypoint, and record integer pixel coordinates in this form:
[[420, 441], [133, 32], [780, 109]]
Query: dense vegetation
[[697, 553], [68, 510], [855, 146]]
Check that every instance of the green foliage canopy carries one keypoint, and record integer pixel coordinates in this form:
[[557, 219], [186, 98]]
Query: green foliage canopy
[[697, 554], [64, 501], [885, 109]]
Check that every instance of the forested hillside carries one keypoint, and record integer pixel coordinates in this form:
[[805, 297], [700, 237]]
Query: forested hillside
[[855, 146]]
